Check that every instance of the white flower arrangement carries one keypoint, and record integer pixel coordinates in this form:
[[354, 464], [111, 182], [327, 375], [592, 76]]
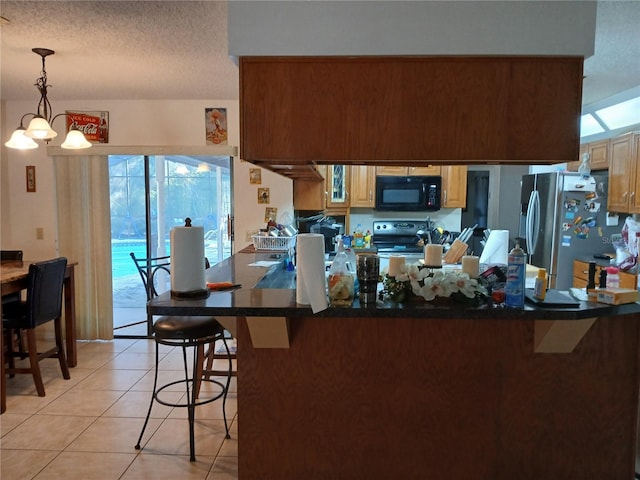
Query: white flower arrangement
[[429, 284]]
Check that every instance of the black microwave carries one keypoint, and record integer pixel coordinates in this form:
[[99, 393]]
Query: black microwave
[[408, 194]]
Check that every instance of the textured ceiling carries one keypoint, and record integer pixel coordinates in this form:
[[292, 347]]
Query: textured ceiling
[[178, 50], [118, 49]]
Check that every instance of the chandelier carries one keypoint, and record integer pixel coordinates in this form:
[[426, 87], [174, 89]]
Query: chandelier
[[40, 125]]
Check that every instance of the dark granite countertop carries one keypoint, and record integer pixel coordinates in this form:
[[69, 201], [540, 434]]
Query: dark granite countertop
[[253, 299]]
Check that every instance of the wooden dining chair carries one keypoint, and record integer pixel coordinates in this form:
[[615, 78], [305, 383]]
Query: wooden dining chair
[[13, 256], [43, 304], [8, 256]]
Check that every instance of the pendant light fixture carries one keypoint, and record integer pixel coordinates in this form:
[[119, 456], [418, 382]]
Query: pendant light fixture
[[40, 125]]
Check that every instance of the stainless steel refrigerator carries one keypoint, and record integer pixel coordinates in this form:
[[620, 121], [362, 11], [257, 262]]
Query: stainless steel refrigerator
[[564, 217]]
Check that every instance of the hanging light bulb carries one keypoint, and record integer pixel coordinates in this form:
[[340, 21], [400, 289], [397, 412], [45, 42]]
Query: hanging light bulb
[[20, 141], [40, 125], [40, 129], [75, 140]]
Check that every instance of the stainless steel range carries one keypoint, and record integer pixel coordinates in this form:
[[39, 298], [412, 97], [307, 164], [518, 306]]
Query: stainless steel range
[[401, 237]]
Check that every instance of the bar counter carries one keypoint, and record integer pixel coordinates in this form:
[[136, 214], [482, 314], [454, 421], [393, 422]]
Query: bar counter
[[424, 391]]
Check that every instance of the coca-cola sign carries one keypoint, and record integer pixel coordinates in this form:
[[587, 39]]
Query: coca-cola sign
[[94, 125]]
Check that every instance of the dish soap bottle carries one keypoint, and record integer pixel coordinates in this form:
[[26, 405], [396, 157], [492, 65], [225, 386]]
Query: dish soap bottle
[[516, 277], [341, 283], [540, 288]]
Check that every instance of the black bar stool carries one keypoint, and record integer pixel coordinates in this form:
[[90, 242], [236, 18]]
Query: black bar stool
[[185, 332]]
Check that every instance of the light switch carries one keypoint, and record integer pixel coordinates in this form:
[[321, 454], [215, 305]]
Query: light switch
[[39, 233]]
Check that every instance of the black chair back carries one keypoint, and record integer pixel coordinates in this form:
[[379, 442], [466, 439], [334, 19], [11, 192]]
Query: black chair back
[[148, 268], [44, 291], [6, 255]]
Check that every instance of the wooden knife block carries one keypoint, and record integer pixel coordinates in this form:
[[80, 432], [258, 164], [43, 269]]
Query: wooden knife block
[[455, 252]]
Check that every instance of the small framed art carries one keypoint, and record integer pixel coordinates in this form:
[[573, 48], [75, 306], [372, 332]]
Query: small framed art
[[31, 178]]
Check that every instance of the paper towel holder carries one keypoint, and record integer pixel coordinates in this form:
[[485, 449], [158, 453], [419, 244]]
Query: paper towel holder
[[192, 294]]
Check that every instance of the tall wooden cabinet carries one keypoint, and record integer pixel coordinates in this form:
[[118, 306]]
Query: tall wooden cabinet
[[624, 174]]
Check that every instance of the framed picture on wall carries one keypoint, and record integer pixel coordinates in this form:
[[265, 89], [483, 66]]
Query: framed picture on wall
[[94, 125], [263, 195], [255, 176], [31, 178], [216, 125], [270, 213]]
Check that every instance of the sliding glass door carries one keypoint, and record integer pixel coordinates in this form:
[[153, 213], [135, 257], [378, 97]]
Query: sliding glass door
[[151, 194]]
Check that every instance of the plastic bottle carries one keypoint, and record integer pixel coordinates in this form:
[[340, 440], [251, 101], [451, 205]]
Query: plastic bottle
[[358, 237], [516, 278], [341, 282], [613, 277], [540, 288], [585, 167], [367, 239]]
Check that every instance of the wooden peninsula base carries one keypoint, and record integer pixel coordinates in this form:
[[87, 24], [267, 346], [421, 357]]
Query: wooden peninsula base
[[428, 398]]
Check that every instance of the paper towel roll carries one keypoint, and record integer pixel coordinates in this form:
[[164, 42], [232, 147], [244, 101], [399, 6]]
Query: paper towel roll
[[187, 261], [310, 274], [496, 250]]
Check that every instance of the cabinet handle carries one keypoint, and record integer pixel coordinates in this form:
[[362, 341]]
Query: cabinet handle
[[445, 197], [624, 195], [370, 195], [633, 194]]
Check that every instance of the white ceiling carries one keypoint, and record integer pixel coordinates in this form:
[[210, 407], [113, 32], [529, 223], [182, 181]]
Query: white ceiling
[[178, 50]]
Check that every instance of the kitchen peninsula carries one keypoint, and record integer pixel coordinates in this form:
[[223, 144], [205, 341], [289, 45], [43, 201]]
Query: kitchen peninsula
[[420, 391]]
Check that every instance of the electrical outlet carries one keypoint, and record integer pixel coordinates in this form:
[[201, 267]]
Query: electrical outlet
[[39, 233]]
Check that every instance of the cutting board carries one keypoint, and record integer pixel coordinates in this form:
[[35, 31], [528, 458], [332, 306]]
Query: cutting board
[[553, 299]]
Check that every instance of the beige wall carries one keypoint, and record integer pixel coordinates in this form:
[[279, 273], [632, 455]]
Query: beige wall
[[132, 123]]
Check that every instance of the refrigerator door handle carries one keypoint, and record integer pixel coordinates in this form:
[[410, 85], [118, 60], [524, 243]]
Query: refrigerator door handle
[[533, 221]]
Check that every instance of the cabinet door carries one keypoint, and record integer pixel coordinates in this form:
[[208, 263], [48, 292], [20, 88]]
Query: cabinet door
[[363, 186], [454, 186], [634, 200], [389, 170], [310, 194], [429, 170], [337, 184], [620, 174], [599, 155], [573, 166]]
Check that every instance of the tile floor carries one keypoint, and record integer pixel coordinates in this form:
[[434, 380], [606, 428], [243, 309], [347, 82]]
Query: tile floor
[[86, 427]]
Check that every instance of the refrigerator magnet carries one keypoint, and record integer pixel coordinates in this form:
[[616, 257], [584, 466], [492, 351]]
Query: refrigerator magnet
[[566, 240]]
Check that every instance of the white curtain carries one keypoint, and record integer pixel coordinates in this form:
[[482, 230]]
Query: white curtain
[[84, 235]]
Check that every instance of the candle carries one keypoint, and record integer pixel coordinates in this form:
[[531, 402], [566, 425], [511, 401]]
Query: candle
[[433, 255], [471, 265], [396, 262]]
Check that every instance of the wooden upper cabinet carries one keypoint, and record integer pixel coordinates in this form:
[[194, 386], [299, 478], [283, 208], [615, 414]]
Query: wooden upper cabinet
[[598, 156], [406, 171], [634, 203], [363, 186], [310, 194], [422, 110], [392, 171], [622, 171], [428, 170], [454, 186], [337, 185]]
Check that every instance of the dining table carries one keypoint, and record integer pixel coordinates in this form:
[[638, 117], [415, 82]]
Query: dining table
[[14, 277]]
